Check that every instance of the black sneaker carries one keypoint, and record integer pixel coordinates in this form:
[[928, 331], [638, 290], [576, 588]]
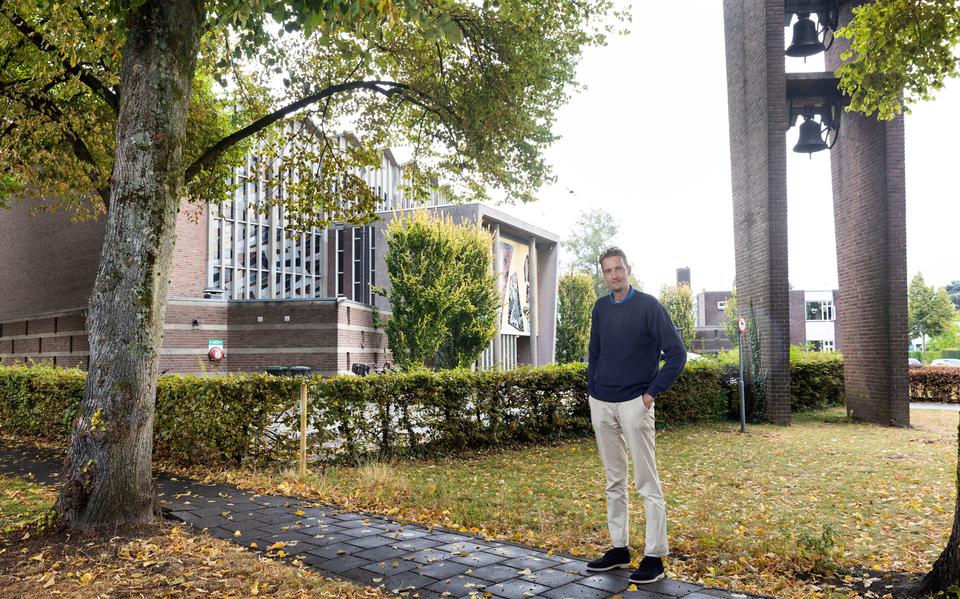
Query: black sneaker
[[618, 557], [650, 570]]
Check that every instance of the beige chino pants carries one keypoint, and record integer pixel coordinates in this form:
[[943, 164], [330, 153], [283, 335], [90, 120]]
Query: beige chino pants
[[620, 426]]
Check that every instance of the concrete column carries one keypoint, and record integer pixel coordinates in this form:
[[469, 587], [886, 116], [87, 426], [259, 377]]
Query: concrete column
[[756, 93], [534, 303], [497, 273], [869, 202]]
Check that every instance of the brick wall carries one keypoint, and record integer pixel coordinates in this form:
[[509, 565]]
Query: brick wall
[[870, 219], [47, 262], [711, 333], [188, 273], [56, 339], [756, 93], [710, 340], [325, 335], [708, 314]]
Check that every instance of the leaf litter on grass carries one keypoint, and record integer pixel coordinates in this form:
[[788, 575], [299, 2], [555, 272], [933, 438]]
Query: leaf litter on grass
[[158, 561], [774, 511]]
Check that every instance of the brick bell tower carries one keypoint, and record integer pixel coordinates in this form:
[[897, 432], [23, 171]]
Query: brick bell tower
[[867, 163]]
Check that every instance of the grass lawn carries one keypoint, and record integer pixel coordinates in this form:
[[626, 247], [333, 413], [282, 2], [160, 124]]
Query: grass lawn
[[22, 503], [772, 511], [163, 561]]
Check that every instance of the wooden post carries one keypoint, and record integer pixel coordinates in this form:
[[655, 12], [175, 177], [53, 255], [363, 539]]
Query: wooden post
[[303, 429]]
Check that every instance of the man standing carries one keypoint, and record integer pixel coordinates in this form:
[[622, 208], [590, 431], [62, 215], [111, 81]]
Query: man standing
[[629, 333]]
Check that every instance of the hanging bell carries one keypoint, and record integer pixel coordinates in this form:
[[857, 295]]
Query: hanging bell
[[811, 139], [805, 42]]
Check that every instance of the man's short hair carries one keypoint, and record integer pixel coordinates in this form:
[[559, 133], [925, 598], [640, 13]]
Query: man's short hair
[[612, 252]]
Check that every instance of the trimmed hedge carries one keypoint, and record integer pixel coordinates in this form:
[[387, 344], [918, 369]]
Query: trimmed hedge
[[228, 420], [423, 410], [816, 381], [40, 401], [198, 420], [254, 418], [935, 383], [700, 394]]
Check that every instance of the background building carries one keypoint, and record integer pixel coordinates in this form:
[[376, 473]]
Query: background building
[[710, 335], [813, 320], [265, 293]]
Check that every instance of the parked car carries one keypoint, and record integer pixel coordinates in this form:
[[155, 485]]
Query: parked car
[[915, 362], [946, 362]]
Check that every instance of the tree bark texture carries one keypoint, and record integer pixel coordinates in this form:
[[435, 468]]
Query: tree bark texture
[[107, 473], [946, 570]]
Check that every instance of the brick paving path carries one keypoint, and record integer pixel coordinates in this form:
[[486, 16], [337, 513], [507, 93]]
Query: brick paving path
[[405, 559]]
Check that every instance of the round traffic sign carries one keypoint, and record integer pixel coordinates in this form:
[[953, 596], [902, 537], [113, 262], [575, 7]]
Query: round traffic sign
[[742, 324]]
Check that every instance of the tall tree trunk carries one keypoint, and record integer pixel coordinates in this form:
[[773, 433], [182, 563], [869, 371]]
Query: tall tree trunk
[[107, 473], [946, 570]]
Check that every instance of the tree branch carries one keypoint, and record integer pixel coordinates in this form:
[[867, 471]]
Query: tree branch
[[77, 145], [210, 156], [37, 39]]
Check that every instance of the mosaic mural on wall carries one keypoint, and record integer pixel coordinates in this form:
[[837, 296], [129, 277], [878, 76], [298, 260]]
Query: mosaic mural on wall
[[514, 286]]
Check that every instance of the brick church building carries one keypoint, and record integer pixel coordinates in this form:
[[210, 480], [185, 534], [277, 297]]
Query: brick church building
[[263, 293]]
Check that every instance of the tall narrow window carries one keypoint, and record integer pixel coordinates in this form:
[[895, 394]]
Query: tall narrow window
[[372, 263], [339, 290], [318, 270], [357, 264]]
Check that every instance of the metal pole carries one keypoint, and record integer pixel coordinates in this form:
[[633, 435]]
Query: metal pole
[[303, 429], [743, 410]]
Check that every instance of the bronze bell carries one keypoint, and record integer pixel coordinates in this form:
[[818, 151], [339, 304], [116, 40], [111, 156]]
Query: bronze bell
[[805, 42], [811, 139]]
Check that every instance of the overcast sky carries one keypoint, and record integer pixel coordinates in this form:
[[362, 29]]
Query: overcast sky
[[647, 142]]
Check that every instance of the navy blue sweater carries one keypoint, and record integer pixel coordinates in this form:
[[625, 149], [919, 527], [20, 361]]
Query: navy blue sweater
[[626, 341]]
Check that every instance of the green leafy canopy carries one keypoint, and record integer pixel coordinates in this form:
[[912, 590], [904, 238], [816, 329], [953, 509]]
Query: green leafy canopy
[[901, 52], [470, 87], [594, 232], [678, 301], [575, 300], [930, 312], [442, 292]]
